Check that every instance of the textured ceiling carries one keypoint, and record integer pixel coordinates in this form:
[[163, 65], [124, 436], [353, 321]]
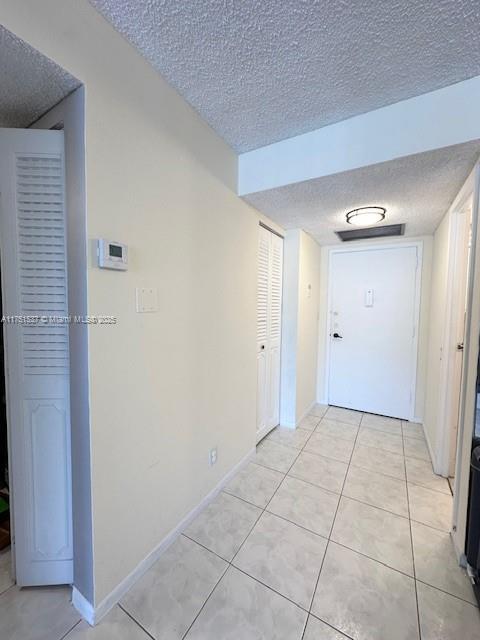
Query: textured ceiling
[[263, 70], [30, 83], [416, 190]]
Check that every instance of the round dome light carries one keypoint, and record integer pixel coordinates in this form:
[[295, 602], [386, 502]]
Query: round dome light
[[366, 216]]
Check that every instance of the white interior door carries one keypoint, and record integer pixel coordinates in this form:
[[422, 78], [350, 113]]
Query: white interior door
[[269, 330], [373, 318], [34, 285]]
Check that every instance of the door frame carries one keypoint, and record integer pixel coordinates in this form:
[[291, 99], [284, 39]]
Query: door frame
[[375, 246], [262, 433], [468, 390], [450, 324], [9, 263]]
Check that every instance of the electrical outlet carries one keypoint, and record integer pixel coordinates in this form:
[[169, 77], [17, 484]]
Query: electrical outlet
[[213, 456]]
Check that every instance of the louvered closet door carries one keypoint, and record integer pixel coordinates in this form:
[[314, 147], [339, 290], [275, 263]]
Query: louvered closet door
[[269, 330], [34, 286]]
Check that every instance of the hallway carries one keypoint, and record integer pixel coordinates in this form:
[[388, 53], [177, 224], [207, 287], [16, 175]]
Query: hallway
[[338, 529]]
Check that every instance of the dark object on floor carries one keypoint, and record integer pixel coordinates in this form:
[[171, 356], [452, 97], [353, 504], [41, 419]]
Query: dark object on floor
[[4, 534], [473, 522]]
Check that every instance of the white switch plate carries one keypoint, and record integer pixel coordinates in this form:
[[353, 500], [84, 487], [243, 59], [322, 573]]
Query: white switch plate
[[212, 457], [146, 299]]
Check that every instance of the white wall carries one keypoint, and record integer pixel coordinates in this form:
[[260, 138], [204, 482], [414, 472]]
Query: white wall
[[423, 327], [300, 326], [167, 386], [438, 300]]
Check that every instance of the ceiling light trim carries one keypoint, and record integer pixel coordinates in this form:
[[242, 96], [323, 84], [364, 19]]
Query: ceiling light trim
[[366, 216]]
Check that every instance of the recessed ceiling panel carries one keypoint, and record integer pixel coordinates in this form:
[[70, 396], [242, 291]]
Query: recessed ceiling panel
[[260, 71], [30, 83], [416, 190]]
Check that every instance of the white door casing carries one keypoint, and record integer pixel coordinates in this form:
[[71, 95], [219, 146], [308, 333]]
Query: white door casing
[[34, 283], [458, 312], [374, 295], [269, 330]]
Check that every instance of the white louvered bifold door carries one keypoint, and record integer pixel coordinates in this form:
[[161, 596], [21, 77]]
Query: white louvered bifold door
[[269, 330], [34, 286]]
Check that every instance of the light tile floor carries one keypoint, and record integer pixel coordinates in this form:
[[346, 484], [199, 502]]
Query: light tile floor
[[336, 530]]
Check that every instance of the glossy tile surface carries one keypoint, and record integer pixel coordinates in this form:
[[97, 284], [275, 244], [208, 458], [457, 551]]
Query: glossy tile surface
[[36, 613], [436, 563], [430, 507], [413, 430], [275, 456], [382, 423], [255, 484], [319, 410], [416, 448], [421, 472], [224, 525], [306, 505], [336, 429], [365, 599], [309, 423], [318, 630], [241, 608], [443, 617], [277, 527], [330, 447], [376, 533], [377, 490], [323, 472], [295, 438], [373, 459], [344, 415], [380, 440], [116, 625], [284, 557], [167, 598]]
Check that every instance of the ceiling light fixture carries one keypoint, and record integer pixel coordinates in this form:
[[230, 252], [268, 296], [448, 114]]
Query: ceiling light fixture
[[366, 216]]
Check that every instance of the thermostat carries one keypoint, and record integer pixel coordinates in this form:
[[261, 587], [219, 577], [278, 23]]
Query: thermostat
[[112, 255]]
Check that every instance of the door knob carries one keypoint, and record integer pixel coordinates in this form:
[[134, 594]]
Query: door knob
[[460, 346], [262, 347], [337, 335]]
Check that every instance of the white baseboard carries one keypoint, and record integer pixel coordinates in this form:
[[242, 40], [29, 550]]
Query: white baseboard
[[293, 425], [83, 606], [431, 451], [92, 614], [288, 425]]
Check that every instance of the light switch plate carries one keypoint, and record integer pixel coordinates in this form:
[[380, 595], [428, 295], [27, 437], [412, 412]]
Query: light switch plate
[[146, 299]]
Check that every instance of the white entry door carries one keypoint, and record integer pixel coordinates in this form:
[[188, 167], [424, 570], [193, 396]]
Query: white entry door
[[34, 284], [269, 330], [373, 319]]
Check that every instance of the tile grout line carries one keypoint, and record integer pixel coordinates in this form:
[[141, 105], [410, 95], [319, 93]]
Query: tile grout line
[[65, 636], [360, 553], [411, 542], [265, 510], [206, 600], [120, 606], [331, 528], [230, 563]]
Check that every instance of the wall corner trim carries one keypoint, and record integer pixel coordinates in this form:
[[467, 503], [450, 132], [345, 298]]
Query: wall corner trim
[[92, 614], [83, 606]]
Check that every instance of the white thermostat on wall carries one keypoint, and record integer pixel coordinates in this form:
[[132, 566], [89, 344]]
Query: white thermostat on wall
[[112, 255]]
